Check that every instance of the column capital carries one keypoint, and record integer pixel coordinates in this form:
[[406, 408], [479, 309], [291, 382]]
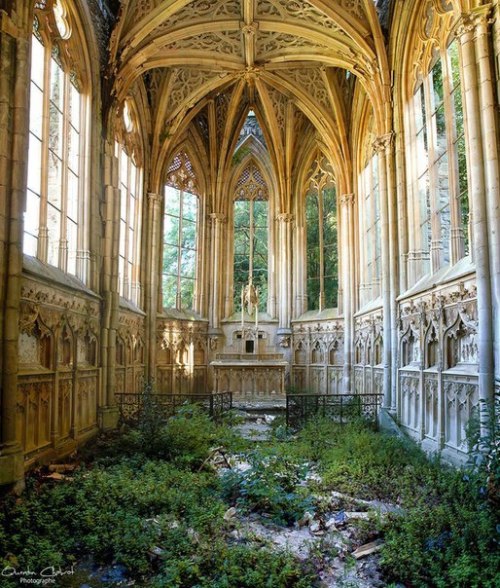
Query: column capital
[[285, 217], [217, 217], [347, 198], [383, 142], [153, 199], [475, 21]]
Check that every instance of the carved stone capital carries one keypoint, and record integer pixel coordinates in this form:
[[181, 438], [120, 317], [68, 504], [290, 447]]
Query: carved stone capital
[[285, 217], [476, 21], [383, 143], [217, 217], [153, 198], [347, 199]]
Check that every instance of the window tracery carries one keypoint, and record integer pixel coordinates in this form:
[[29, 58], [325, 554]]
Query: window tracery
[[251, 210], [321, 228], [441, 181], [180, 231], [53, 231], [130, 225]]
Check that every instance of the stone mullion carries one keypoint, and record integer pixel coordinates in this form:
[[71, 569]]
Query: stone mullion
[[63, 234], [490, 146], [14, 116], [285, 222], [456, 243], [229, 251], [43, 232], [479, 218], [435, 228], [216, 248], [362, 237], [153, 240]]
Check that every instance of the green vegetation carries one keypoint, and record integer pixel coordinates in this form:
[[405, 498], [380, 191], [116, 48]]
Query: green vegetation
[[151, 500]]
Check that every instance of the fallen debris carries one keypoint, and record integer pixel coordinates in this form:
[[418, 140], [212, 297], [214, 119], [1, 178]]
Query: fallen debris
[[62, 467], [368, 549]]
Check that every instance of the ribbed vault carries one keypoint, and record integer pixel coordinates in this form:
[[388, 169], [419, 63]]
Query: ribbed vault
[[204, 63]]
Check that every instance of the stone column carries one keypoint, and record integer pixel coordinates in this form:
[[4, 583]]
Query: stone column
[[152, 280], [348, 277], [218, 220], [382, 146], [108, 413], [480, 226], [488, 110], [14, 116], [285, 223]]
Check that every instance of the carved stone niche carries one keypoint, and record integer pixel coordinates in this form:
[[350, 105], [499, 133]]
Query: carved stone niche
[[164, 356], [87, 349], [317, 356], [120, 351], [199, 354], [35, 346], [300, 354], [461, 347], [431, 349], [65, 348], [377, 350], [335, 354], [410, 349]]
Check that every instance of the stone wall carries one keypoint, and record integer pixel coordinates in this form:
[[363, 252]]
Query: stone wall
[[317, 356]]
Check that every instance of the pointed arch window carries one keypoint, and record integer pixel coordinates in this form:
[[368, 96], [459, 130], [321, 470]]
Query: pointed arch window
[[53, 223], [251, 211], [180, 232], [369, 218], [321, 230], [130, 225], [441, 166]]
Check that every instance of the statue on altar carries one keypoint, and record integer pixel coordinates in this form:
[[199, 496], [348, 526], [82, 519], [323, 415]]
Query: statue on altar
[[250, 297]]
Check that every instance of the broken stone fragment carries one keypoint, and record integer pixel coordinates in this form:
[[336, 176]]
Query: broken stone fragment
[[230, 514], [368, 549], [305, 520]]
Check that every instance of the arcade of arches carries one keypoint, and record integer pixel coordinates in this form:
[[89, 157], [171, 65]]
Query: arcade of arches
[[337, 161]]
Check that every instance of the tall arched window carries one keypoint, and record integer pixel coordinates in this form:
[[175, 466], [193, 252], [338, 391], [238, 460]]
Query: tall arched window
[[369, 219], [53, 227], [251, 234], [321, 226], [130, 176], [180, 235], [441, 167]]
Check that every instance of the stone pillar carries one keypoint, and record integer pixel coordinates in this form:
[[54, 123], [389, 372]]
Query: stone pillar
[[488, 110], [348, 276], [479, 215], [14, 116], [382, 146], [152, 280], [108, 413], [285, 223], [218, 221]]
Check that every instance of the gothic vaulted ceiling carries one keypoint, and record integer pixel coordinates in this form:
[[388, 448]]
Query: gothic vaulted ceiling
[[203, 64]]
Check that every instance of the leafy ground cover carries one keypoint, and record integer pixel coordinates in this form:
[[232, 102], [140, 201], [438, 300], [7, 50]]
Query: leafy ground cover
[[172, 512]]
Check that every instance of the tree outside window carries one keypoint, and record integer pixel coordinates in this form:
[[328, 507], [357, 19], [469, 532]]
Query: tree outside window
[[179, 236]]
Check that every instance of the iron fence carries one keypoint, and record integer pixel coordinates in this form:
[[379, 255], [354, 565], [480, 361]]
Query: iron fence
[[133, 407], [340, 408]]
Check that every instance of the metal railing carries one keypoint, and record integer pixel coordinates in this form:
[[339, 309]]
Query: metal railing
[[133, 406], [340, 408]]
